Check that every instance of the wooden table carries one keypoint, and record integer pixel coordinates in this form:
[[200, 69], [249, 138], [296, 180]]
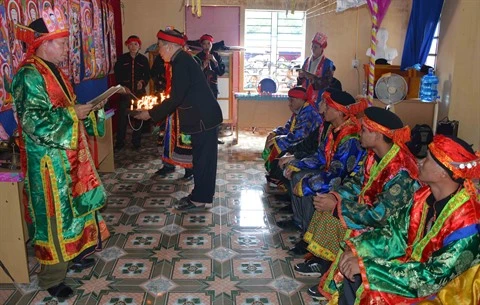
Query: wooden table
[[254, 111], [13, 234]]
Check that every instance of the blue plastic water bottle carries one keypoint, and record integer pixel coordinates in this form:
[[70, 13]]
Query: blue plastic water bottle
[[428, 87]]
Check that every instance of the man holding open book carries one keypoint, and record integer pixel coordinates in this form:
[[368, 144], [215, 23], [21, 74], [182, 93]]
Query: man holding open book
[[63, 190]]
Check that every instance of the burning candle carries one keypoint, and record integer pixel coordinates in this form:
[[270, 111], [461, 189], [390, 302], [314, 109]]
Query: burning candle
[[131, 106]]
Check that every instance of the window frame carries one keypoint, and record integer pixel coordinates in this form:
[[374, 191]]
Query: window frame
[[273, 50], [435, 42]]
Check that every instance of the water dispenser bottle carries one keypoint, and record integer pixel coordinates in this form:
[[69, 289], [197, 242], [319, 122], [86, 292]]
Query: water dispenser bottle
[[428, 87]]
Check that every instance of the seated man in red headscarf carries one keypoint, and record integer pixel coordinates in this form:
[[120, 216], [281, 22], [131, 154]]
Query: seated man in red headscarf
[[338, 155], [305, 119], [433, 239]]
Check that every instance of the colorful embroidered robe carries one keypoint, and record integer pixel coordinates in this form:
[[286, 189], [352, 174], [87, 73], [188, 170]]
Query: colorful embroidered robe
[[61, 182], [400, 264], [324, 70], [177, 146], [298, 127], [368, 199], [336, 157]]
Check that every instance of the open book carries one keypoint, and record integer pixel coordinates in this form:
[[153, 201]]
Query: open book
[[109, 92]]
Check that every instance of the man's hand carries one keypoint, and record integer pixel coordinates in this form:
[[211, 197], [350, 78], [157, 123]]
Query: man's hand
[[324, 202], [99, 105], [142, 115], [213, 59], [287, 173], [269, 141], [284, 160], [348, 265], [82, 110]]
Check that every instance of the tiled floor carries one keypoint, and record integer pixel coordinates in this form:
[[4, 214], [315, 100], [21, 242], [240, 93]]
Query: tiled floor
[[231, 254]]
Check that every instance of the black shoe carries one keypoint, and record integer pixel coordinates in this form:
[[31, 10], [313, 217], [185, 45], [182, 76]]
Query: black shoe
[[61, 292], [286, 209], [185, 204], [165, 170], [299, 249], [313, 267], [220, 142], [82, 264], [188, 175], [136, 146], [315, 294], [118, 146], [288, 224]]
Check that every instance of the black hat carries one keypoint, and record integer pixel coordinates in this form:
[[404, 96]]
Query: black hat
[[384, 117], [342, 97]]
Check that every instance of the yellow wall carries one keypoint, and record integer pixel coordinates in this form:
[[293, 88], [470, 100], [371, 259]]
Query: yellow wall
[[349, 35], [458, 66]]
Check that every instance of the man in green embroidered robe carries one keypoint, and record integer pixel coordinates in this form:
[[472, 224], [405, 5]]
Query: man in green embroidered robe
[[365, 200], [429, 243], [62, 188]]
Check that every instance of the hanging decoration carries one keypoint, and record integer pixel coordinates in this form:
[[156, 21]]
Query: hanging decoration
[[15, 16], [343, 5], [197, 8], [5, 60], [62, 5], [378, 9], [111, 37], [31, 11], [44, 5], [98, 42], [75, 41], [88, 43]]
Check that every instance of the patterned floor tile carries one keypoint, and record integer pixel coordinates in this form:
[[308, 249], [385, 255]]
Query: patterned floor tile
[[159, 286], [264, 298], [151, 219], [117, 298], [157, 202], [188, 299], [44, 298], [132, 268], [198, 219], [188, 269], [286, 285], [194, 241], [5, 295], [251, 269], [232, 253], [143, 241]]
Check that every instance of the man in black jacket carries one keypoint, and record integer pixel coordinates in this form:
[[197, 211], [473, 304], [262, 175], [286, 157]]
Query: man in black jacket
[[212, 64], [200, 115], [133, 72]]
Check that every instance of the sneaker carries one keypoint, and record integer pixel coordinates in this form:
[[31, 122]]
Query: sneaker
[[313, 267], [315, 294]]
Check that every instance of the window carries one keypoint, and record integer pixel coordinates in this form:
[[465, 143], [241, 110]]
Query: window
[[432, 54], [275, 43]]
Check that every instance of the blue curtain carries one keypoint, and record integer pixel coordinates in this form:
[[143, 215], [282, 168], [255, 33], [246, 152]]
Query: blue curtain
[[421, 28]]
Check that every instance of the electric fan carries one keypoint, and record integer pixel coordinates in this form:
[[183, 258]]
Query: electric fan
[[391, 89]]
